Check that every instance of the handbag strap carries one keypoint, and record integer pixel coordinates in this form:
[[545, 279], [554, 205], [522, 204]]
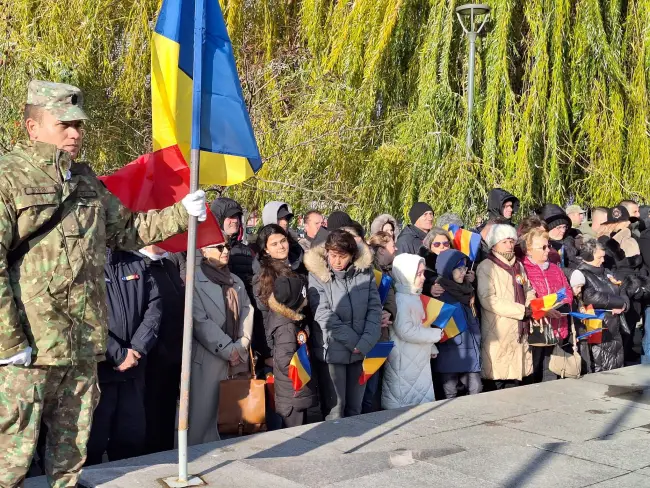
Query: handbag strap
[[574, 335]]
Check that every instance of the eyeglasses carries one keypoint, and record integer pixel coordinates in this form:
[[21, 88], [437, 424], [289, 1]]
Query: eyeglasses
[[462, 269], [543, 248], [220, 247], [439, 244]]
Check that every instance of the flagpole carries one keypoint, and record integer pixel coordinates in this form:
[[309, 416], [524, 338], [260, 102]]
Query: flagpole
[[195, 156]]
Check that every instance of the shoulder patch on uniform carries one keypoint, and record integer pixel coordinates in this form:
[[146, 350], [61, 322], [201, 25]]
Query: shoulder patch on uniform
[[39, 190], [87, 193]]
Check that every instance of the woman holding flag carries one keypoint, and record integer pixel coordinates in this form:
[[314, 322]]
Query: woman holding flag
[[546, 279], [287, 333], [601, 291]]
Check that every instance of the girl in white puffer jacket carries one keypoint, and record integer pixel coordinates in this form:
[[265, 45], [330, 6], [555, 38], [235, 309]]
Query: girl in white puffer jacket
[[407, 374]]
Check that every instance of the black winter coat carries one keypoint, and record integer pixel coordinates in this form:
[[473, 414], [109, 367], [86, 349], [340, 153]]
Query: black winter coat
[[635, 285], [167, 275], [497, 198], [134, 313], [410, 240], [601, 293], [430, 273], [259, 341], [281, 326]]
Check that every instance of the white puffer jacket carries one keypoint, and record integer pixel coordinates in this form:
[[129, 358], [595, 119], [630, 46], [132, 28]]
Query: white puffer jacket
[[407, 374]]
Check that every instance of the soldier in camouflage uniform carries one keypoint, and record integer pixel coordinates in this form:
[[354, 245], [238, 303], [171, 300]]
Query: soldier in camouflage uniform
[[52, 300]]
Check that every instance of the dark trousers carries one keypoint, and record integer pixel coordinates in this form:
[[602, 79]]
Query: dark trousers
[[295, 419], [540, 353], [372, 395], [119, 423], [341, 393], [161, 402], [471, 382], [493, 385]]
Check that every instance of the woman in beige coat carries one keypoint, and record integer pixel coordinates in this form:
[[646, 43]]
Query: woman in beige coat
[[223, 325], [504, 293]]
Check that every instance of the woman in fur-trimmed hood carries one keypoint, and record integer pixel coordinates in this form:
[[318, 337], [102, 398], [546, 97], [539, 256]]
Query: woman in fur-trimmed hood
[[347, 314], [285, 321]]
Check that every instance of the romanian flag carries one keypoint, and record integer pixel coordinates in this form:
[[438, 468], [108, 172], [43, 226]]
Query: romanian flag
[[448, 317], [594, 326], [384, 282], [469, 243], [540, 306], [375, 359], [299, 368], [229, 153]]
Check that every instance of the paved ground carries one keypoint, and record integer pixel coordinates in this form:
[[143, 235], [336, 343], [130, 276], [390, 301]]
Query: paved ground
[[571, 433]]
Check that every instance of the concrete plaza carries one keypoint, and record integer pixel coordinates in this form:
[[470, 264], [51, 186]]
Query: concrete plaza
[[593, 432]]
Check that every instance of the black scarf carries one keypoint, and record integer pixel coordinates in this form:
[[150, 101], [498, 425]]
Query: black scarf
[[462, 292]]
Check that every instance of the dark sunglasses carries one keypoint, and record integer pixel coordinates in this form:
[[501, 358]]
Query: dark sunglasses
[[438, 244], [220, 247], [543, 248]]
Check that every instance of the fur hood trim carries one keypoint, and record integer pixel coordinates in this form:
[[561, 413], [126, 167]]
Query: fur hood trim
[[285, 311], [316, 261]]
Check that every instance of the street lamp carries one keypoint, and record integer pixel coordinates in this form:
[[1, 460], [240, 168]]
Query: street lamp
[[469, 13]]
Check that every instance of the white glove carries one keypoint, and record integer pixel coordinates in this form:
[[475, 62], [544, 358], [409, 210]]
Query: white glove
[[194, 203], [23, 358]]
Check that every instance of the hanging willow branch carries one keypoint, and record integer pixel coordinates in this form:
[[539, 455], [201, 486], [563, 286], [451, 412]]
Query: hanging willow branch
[[363, 103]]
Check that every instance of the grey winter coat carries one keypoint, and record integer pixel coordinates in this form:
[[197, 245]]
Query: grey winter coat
[[346, 307], [410, 240]]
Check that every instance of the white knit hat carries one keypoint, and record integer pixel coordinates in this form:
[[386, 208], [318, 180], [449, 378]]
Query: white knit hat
[[500, 232], [577, 279]]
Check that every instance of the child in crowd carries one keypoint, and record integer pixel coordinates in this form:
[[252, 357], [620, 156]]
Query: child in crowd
[[407, 374], [459, 358]]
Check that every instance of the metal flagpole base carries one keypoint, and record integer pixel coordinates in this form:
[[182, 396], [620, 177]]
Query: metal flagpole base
[[174, 482]]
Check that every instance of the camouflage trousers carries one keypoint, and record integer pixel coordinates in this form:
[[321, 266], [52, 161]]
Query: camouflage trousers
[[64, 397]]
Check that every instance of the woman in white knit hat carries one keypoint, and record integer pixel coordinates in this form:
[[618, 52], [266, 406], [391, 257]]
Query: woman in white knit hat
[[504, 293]]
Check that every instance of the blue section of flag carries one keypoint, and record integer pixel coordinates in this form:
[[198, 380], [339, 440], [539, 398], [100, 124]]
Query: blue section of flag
[[384, 287], [446, 313], [225, 126], [598, 315], [381, 350], [303, 357]]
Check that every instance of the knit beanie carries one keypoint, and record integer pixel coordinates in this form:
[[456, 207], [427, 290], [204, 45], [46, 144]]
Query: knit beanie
[[338, 219], [289, 291], [577, 279], [500, 232], [418, 210]]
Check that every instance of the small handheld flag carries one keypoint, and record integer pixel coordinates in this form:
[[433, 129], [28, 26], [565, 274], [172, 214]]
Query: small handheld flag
[[469, 243], [540, 306], [448, 317], [594, 326], [384, 282], [300, 368], [374, 360]]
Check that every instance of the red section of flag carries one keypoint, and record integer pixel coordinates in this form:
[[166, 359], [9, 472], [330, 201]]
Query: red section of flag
[[158, 180]]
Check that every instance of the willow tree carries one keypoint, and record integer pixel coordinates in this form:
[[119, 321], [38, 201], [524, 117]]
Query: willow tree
[[361, 104]]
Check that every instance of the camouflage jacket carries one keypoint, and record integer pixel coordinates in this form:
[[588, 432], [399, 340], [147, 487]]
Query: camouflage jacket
[[53, 299]]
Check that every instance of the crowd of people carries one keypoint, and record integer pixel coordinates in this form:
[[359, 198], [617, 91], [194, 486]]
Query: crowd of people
[[77, 392], [252, 301]]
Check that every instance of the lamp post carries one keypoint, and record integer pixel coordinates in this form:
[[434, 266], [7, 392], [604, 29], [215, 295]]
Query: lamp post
[[469, 13]]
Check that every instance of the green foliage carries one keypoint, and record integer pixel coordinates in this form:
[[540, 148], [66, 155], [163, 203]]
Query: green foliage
[[361, 104]]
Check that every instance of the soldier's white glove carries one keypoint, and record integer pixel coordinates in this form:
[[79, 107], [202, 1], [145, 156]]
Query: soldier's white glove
[[23, 358], [194, 203]]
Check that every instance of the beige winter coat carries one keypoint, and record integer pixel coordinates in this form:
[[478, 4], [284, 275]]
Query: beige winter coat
[[502, 356]]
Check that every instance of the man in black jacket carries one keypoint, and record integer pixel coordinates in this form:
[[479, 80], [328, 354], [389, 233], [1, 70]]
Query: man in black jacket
[[411, 237], [134, 316], [229, 214], [163, 373]]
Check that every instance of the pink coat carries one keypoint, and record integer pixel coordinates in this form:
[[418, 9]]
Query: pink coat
[[549, 281]]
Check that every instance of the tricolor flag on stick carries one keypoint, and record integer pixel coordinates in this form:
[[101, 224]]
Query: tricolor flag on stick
[[469, 243], [375, 360], [594, 326], [446, 316], [540, 306], [300, 368], [384, 282]]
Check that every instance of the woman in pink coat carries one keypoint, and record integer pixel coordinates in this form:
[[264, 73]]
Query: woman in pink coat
[[545, 278]]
